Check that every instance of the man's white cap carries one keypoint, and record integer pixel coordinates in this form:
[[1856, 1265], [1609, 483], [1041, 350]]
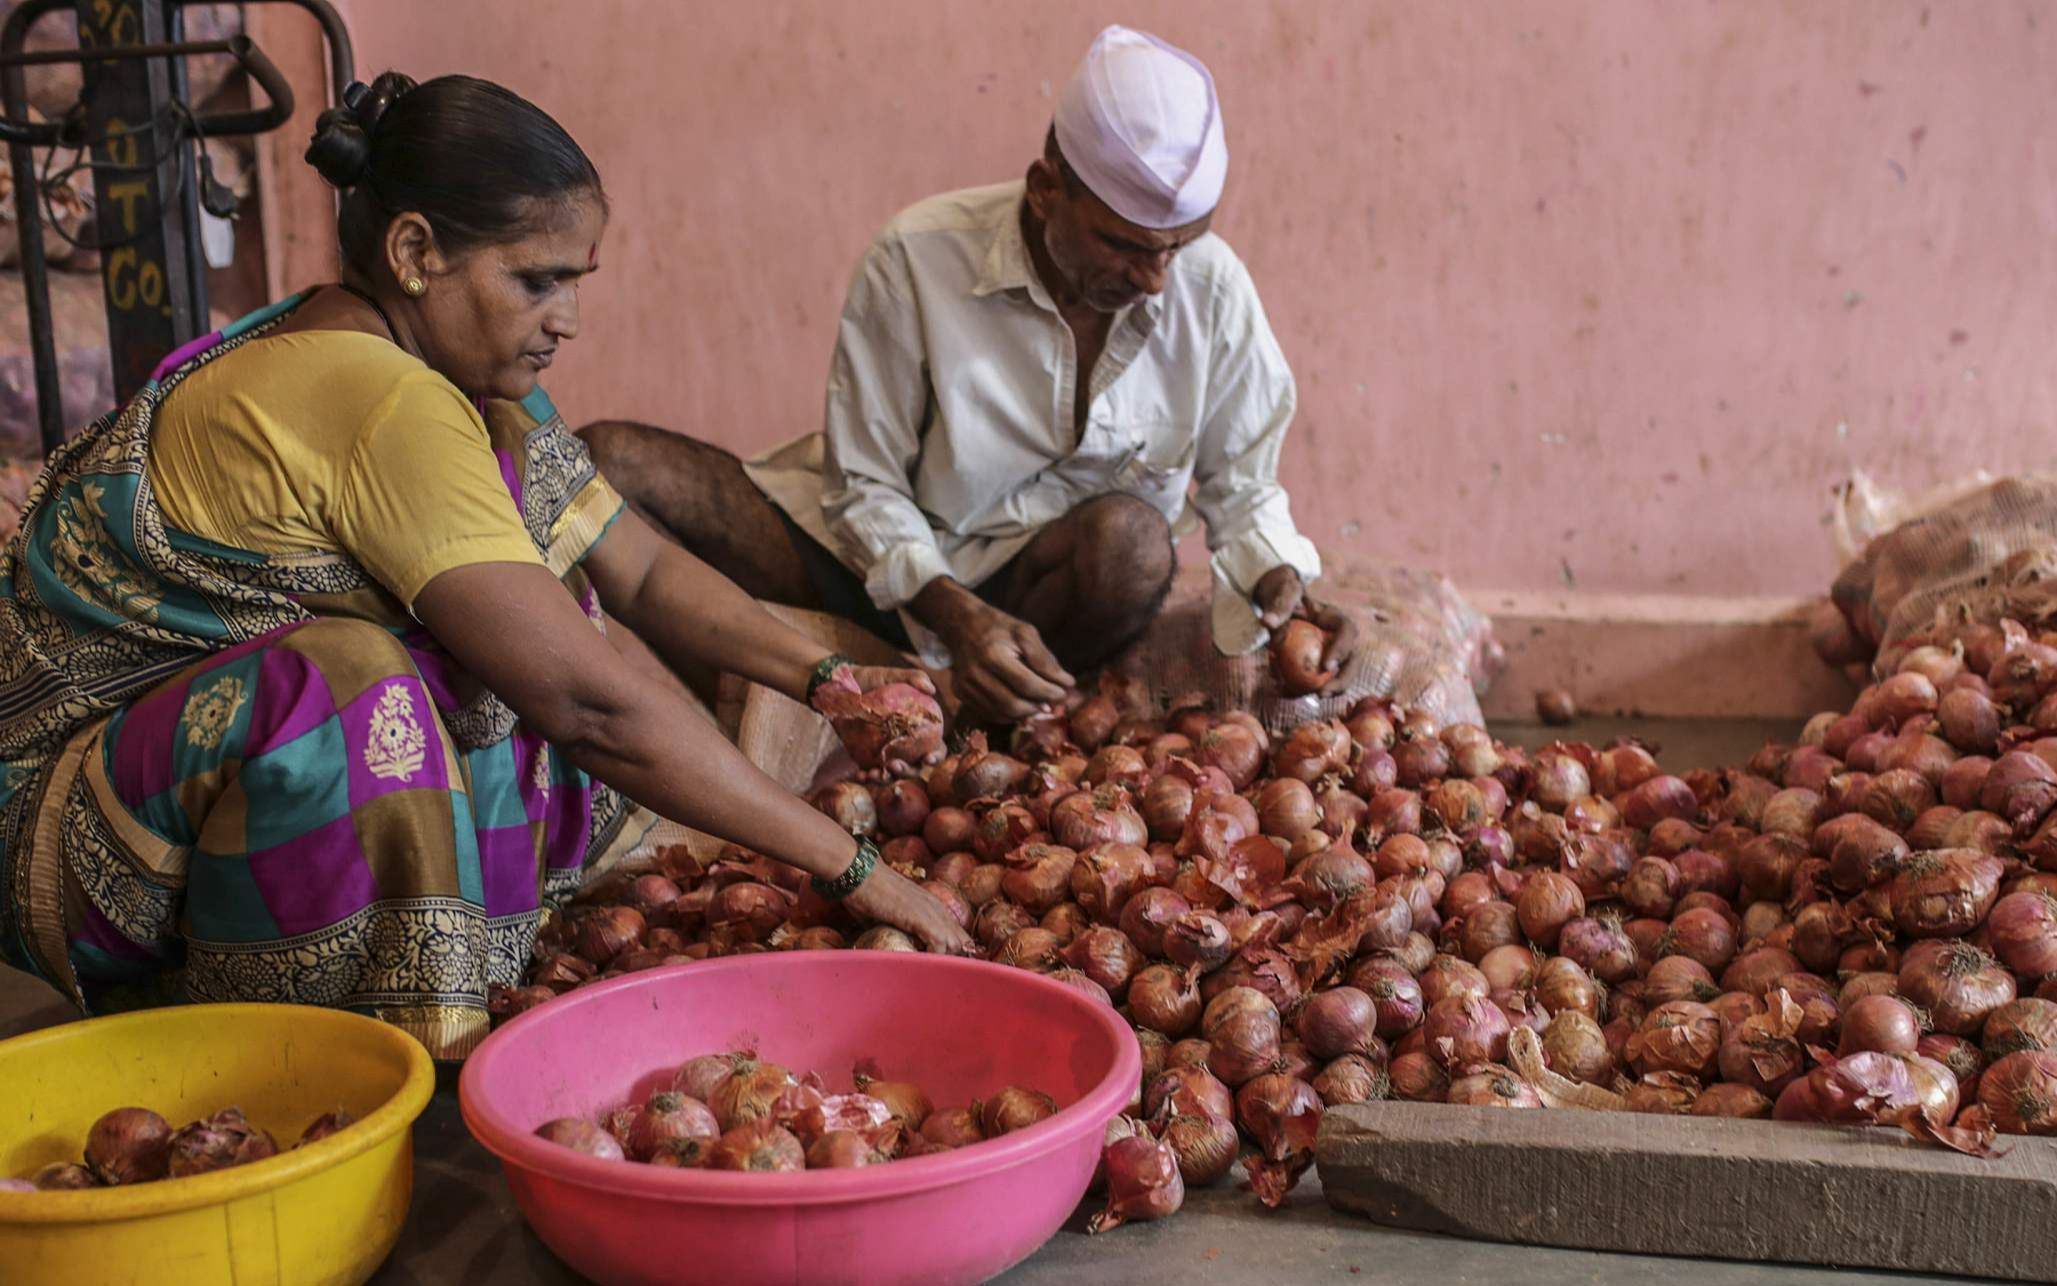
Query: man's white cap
[[1140, 125]]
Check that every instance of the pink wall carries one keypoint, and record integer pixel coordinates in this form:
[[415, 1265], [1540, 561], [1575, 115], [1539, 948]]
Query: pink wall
[[1603, 293]]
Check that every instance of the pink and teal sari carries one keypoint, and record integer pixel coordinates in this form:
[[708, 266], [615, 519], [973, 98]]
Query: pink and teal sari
[[235, 776]]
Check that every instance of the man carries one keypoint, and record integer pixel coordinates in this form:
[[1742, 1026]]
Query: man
[[1028, 379]]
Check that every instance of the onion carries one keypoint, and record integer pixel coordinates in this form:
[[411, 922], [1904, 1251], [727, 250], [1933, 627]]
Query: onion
[[1448, 975], [952, 1127], [1329, 876], [1038, 876], [1510, 968], [1956, 983], [1005, 828], [1600, 948], [1756, 970], [1014, 1108], [1963, 1058], [1494, 924], [1969, 720], [2020, 1093], [1879, 1024], [1188, 1091], [1198, 939], [1491, 1085], [1679, 978], [1106, 956], [1549, 901], [2020, 788], [1574, 1046], [948, 830], [669, 1117], [1168, 803], [605, 932], [1243, 1046], [1033, 948], [129, 1145], [2021, 1024], [844, 1150], [1864, 1088], [1165, 999], [1336, 1022], [1945, 893], [1464, 1030], [1235, 750], [748, 1094], [1418, 1078], [1562, 986], [1726, 1099], [761, 1145], [2022, 930], [997, 922], [902, 806], [63, 1176], [884, 938], [1677, 1036], [1205, 1147], [579, 1135], [1065, 921], [1662, 1094], [1651, 887], [1557, 778], [1657, 799], [1143, 1182], [984, 773], [1705, 935]]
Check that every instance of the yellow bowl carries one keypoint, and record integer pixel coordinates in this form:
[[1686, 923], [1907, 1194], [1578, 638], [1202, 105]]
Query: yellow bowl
[[325, 1213]]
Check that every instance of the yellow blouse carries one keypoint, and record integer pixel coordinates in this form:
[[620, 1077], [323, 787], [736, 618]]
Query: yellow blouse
[[335, 441]]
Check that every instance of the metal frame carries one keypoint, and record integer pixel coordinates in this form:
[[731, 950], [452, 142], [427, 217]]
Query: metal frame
[[154, 277]]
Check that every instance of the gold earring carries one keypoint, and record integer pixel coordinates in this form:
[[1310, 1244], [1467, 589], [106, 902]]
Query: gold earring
[[415, 287]]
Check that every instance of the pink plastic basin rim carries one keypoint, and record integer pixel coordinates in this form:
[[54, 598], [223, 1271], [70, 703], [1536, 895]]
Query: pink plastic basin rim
[[517, 1146]]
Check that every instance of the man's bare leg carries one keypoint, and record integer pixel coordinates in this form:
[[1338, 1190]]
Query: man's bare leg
[[699, 496], [1092, 581]]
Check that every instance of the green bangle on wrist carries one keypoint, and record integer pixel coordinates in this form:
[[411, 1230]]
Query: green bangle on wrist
[[825, 671], [853, 876]]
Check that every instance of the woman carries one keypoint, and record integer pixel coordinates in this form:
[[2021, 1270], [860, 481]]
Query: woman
[[301, 692]]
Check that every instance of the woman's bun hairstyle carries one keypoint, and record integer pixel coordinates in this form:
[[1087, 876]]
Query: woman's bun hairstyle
[[341, 147]]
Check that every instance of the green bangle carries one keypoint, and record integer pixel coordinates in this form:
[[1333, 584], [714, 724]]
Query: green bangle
[[824, 671], [853, 876]]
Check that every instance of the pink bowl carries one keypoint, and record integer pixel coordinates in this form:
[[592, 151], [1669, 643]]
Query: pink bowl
[[959, 1028]]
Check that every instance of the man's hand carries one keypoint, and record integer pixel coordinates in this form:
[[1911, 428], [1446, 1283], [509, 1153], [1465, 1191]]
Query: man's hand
[[1000, 667], [1281, 595], [891, 898]]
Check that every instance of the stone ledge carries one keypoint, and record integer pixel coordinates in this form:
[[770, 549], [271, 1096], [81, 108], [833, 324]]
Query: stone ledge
[[1666, 1185]]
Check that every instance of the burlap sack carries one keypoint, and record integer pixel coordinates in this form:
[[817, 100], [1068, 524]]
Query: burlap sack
[[1978, 556]]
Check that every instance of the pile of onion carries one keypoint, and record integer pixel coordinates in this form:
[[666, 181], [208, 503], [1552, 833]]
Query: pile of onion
[[735, 1111], [132, 1145], [1859, 925]]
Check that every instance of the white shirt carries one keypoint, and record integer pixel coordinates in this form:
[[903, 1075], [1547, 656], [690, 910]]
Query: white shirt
[[949, 436]]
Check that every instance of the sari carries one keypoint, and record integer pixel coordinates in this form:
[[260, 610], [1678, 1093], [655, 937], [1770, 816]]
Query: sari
[[229, 775]]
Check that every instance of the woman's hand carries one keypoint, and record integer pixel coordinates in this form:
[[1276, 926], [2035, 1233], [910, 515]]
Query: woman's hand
[[891, 898], [902, 738]]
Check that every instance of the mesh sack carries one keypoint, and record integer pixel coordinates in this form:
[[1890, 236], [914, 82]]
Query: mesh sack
[[1982, 556], [1419, 644]]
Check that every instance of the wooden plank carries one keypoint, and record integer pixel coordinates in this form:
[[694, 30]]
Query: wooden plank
[[1755, 1190]]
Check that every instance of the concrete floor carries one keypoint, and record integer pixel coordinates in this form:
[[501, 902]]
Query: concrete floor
[[464, 1229]]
